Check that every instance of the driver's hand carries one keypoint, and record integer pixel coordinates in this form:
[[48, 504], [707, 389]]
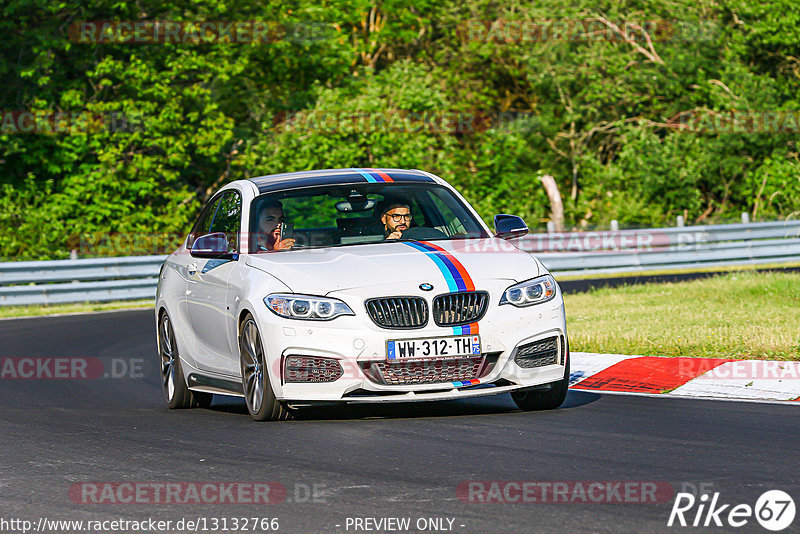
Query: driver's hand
[[284, 244], [397, 234]]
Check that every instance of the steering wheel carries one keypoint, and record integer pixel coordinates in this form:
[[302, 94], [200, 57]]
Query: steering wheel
[[423, 232]]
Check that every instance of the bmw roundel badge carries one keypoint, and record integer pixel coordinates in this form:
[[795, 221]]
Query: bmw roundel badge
[[426, 286]]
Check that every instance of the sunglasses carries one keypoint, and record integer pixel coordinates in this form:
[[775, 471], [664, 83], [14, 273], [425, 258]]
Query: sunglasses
[[397, 217]]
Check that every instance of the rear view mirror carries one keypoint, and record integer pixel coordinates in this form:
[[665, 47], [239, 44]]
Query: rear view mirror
[[212, 246], [509, 226], [355, 204]]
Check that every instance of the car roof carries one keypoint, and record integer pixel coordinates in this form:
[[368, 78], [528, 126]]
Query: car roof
[[291, 180]]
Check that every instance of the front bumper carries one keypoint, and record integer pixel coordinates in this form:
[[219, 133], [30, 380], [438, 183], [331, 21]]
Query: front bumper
[[355, 343]]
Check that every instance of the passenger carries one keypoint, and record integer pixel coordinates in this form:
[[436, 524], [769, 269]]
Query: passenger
[[268, 231]]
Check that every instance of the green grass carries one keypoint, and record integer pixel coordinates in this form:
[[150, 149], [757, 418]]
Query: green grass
[[57, 309], [735, 315]]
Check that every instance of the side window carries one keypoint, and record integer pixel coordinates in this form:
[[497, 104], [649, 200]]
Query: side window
[[222, 214], [203, 224], [227, 219]]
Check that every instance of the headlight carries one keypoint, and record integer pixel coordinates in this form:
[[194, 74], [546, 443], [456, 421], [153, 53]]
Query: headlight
[[306, 307], [531, 292]]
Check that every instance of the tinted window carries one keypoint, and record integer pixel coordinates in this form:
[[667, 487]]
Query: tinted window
[[351, 214], [227, 219], [203, 224], [222, 214]]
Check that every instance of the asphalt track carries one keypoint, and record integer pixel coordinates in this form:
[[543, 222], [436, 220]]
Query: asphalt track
[[385, 461]]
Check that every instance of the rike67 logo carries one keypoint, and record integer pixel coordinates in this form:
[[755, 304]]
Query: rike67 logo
[[774, 510]]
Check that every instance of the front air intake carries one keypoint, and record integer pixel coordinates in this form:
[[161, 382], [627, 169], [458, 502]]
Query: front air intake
[[540, 353], [299, 369]]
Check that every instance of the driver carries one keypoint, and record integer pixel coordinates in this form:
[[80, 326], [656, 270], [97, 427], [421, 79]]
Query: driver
[[396, 218], [268, 231]]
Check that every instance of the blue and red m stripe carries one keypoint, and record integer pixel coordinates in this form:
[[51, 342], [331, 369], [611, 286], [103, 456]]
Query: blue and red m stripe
[[374, 176], [456, 276]]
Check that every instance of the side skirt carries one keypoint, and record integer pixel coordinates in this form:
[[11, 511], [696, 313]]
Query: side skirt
[[220, 386]]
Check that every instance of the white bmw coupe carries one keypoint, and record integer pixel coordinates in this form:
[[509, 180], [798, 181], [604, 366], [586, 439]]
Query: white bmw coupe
[[356, 286]]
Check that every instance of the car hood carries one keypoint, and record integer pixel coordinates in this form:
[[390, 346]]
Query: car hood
[[326, 270]]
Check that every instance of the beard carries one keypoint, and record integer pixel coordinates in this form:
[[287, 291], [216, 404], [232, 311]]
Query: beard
[[269, 239], [273, 237]]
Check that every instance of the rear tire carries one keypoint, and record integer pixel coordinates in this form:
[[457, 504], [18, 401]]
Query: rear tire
[[261, 401], [549, 399], [173, 383]]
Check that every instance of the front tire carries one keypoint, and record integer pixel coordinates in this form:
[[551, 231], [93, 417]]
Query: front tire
[[549, 399], [261, 401]]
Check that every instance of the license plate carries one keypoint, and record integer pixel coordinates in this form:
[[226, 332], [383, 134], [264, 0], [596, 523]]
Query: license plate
[[433, 347]]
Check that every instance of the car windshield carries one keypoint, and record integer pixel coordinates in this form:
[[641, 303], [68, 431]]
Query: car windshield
[[358, 213]]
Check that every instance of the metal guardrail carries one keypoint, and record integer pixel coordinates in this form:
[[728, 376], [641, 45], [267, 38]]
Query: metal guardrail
[[654, 249], [91, 280], [676, 236], [573, 253]]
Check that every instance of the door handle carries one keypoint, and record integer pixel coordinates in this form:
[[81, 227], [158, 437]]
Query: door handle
[[192, 269]]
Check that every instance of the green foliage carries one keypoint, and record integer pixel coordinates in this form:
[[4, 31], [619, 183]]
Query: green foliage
[[340, 87], [776, 184]]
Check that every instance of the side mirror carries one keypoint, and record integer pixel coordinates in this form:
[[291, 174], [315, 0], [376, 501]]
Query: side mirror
[[212, 246], [509, 226]]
